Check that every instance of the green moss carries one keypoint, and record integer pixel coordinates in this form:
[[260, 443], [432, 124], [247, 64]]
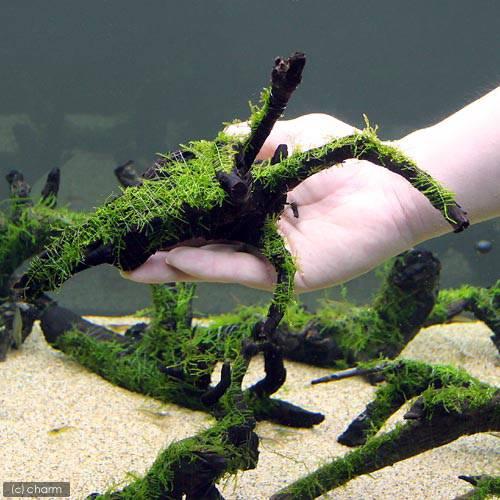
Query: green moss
[[447, 390], [160, 214], [158, 208], [339, 471], [189, 184], [169, 341], [200, 349], [484, 303], [361, 333], [259, 111], [457, 399], [273, 247], [363, 145], [440, 385], [446, 298], [32, 228], [240, 317], [487, 487], [134, 371], [160, 480]]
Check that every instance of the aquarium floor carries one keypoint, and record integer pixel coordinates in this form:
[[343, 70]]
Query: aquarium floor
[[60, 422]]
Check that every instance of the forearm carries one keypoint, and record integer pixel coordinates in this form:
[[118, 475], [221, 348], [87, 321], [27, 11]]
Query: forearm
[[463, 153]]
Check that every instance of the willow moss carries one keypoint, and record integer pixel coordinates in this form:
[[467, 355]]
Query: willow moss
[[484, 303], [213, 190], [25, 228], [192, 466], [339, 471], [134, 371], [485, 487], [342, 334], [174, 362], [361, 145], [443, 385], [26, 234], [163, 202], [451, 404]]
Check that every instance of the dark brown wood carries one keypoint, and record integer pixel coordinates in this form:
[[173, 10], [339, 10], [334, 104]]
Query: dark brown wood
[[285, 78]]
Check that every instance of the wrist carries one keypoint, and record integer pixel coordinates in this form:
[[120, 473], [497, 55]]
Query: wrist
[[424, 220], [463, 153]]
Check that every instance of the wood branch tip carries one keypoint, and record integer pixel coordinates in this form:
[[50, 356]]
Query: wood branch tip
[[14, 175], [470, 479], [350, 372], [288, 72]]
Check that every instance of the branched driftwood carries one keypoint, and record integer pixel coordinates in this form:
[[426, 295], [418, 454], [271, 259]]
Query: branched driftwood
[[451, 404], [483, 303], [170, 359], [403, 380], [209, 191], [484, 487], [213, 191], [342, 334], [190, 468], [26, 227]]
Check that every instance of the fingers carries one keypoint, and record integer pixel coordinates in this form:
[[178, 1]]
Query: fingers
[[316, 129], [212, 263], [300, 134], [221, 264], [155, 270], [279, 135]]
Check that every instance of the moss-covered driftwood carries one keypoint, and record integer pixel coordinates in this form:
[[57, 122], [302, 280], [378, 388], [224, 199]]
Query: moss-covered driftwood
[[484, 487], [211, 191], [26, 227], [340, 334], [483, 303], [451, 404], [170, 359], [214, 190], [190, 468]]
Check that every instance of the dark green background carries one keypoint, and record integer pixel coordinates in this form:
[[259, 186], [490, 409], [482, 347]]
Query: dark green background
[[86, 85]]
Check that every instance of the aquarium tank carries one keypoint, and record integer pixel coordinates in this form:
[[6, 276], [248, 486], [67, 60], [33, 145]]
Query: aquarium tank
[[113, 145]]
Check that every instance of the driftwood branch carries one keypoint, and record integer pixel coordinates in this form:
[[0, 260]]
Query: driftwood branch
[[484, 487], [403, 380], [285, 77], [51, 187], [483, 303], [25, 228], [127, 175], [435, 427]]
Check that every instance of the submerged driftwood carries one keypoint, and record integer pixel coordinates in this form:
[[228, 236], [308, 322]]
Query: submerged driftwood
[[450, 404], [26, 228], [341, 334], [157, 359], [484, 487], [483, 303], [170, 359]]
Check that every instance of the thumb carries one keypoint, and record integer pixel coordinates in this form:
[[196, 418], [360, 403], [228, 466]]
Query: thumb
[[300, 134], [279, 135]]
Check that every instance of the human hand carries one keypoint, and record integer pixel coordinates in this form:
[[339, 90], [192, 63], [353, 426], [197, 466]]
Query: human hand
[[351, 218]]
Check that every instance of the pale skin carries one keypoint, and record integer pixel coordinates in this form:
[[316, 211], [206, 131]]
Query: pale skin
[[354, 216]]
